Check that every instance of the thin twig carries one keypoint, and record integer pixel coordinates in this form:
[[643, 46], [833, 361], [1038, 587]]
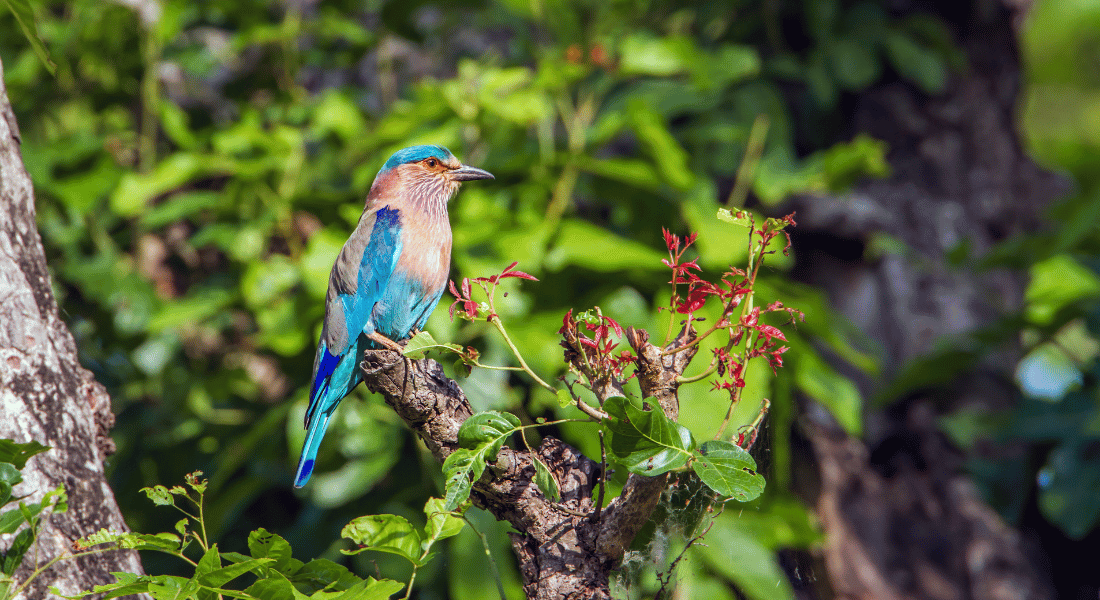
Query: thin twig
[[489, 555]]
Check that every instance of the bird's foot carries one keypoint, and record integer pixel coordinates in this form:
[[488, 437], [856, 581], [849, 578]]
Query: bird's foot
[[385, 341]]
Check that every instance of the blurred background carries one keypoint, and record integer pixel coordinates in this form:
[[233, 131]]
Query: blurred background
[[199, 164]]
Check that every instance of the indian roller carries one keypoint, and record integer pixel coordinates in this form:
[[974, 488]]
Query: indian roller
[[387, 278]]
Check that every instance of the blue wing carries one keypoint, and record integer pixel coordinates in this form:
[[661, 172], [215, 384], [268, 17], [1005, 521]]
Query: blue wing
[[359, 280]]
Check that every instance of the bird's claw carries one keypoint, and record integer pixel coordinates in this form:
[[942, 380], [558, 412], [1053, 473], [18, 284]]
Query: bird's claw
[[385, 341]]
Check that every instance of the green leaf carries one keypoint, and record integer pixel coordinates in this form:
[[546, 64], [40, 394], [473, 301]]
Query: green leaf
[[160, 495], [729, 470], [646, 441], [264, 282], [1055, 283], [371, 589], [9, 478], [135, 190], [1067, 488], [17, 454], [631, 171], [423, 342], [441, 524], [565, 398], [459, 470], [487, 429], [264, 544], [855, 64], [740, 556], [834, 391], [323, 574], [645, 54], [916, 62], [480, 438], [670, 157], [219, 577], [25, 17], [548, 485], [19, 546], [583, 244], [273, 587], [384, 533]]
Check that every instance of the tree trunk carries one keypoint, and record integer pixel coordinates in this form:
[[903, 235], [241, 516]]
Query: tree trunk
[[902, 518], [47, 397]]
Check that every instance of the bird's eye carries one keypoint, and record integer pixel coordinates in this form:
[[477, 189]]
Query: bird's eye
[[432, 163]]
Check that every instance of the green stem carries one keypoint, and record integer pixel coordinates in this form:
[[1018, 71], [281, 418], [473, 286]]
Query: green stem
[[489, 555], [753, 149], [701, 376], [412, 579], [495, 320]]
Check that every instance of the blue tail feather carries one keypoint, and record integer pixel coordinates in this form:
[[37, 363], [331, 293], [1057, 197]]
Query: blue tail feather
[[309, 449]]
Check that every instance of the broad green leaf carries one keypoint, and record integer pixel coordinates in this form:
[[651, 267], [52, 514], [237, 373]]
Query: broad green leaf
[[843, 164], [1057, 282], [565, 398], [458, 469], [9, 477], [548, 485], [371, 589], [480, 437], [167, 587], [441, 523], [646, 441], [422, 343], [264, 544], [11, 520], [14, 555], [274, 587], [17, 454], [221, 576], [21, 9], [490, 428], [739, 555], [645, 54], [384, 533], [160, 495], [729, 470], [323, 574]]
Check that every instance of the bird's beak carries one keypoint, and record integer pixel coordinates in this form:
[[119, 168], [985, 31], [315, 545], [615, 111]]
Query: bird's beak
[[466, 173]]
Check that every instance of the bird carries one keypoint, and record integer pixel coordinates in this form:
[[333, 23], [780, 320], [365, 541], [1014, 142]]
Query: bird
[[387, 278]]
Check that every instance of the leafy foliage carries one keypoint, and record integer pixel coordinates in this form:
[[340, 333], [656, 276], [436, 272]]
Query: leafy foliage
[[22, 520], [275, 573], [197, 176]]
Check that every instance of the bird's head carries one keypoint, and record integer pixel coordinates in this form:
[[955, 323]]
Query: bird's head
[[430, 172]]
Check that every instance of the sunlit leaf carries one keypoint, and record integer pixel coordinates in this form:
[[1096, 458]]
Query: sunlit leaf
[[729, 470], [646, 441], [17, 454], [548, 485], [384, 533], [422, 343]]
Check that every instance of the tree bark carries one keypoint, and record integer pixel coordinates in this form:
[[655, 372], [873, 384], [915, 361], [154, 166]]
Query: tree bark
[[46, 396], [901, 516]]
